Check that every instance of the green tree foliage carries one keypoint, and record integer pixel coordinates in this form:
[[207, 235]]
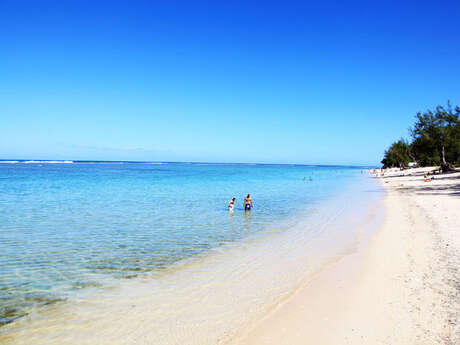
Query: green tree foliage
[[436, 137], [435, 140], [398, 155]]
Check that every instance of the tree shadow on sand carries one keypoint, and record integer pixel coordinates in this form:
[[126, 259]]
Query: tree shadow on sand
[[450, 189]]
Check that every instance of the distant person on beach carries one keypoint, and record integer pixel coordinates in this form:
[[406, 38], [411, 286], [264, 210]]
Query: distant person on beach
[[427, 178], [248, 203], [231, 204]]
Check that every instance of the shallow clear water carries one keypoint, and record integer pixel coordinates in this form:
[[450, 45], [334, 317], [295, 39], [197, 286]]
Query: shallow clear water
[[66, 227]]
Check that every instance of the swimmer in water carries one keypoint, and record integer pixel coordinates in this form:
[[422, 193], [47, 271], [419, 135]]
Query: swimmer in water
[[248, 203], [231, 204]]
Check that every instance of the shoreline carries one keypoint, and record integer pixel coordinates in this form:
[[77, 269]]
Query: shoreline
[[397, 283], [209, 300], [400, 287]]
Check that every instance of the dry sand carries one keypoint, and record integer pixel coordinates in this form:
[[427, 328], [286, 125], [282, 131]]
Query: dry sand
[[402, 286]]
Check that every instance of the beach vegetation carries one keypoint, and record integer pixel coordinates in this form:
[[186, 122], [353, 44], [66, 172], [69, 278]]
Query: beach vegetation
[[397, 155], [435, 141]]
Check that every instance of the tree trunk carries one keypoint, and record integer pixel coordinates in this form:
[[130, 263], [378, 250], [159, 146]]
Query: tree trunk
[[444, 166], [443, 153]]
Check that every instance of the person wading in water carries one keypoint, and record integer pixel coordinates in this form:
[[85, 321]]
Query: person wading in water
[[231, 204], [248, 203]]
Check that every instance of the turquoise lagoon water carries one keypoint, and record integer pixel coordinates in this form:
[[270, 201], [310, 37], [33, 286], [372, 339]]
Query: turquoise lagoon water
[[65, 228]]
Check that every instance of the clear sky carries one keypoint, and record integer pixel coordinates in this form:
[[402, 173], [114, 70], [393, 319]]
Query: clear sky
[[225, 81]]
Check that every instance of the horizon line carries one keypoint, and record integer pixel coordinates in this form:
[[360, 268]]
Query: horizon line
[[70, 161]]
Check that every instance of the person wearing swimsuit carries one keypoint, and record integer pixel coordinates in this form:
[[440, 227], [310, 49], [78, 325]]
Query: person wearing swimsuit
[[231, 204], [248, 203]]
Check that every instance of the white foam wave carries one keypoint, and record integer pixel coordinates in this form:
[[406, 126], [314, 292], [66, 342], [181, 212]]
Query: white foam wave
[[49, 162]]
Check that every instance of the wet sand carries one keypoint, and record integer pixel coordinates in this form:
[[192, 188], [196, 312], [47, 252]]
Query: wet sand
[[401, 286]]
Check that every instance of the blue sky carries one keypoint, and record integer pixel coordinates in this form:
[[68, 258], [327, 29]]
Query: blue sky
[[234, 81]]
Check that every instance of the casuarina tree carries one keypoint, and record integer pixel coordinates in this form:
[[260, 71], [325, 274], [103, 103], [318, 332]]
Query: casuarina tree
[[436, 137], [398, 155]]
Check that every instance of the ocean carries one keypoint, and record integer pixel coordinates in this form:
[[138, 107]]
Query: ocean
[[93, 241]]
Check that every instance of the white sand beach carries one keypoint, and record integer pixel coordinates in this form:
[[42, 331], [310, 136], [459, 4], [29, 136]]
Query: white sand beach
[[402, 286]]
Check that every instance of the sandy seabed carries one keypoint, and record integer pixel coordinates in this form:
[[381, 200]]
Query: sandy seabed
[[214, 298], [402, 286]]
